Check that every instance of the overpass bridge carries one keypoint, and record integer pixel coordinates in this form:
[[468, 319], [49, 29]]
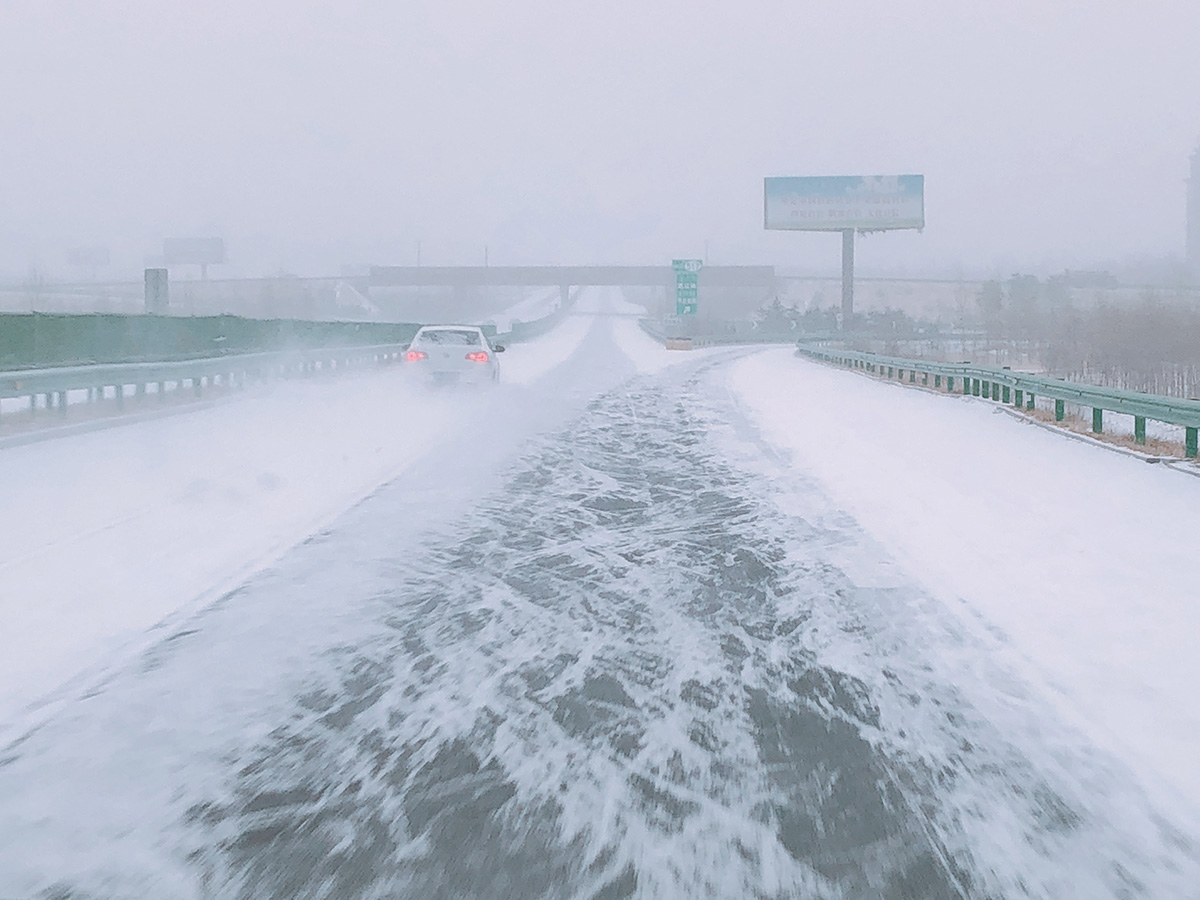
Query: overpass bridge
[[566, 277]]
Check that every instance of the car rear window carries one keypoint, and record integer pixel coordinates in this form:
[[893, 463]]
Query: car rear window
[[450, 336]]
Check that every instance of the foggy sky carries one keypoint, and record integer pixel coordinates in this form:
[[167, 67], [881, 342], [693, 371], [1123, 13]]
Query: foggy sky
[[315, 135]]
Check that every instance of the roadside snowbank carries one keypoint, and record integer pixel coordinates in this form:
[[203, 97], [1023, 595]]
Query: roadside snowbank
[[537, 305], [647, 354], [1087, 560], [526, 362]]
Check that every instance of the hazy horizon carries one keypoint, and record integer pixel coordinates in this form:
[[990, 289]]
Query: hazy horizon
[[314, 138]]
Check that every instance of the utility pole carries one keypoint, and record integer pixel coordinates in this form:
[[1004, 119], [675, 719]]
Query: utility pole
[[847, 277]]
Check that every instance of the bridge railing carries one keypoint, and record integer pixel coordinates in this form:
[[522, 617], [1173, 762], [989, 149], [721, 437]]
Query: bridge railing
[[1022, 388]]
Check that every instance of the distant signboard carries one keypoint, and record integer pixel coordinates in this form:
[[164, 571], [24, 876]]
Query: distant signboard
[[687, 285], [841, 202], [193, 251]]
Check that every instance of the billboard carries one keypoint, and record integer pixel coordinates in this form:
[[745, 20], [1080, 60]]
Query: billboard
[[193, 251], [840, 202]]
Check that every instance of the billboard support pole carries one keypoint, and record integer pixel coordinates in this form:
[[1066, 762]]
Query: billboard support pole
[[847, 277]]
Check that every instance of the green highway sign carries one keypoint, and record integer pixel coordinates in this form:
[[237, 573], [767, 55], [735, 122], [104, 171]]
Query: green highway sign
[[687, 280]]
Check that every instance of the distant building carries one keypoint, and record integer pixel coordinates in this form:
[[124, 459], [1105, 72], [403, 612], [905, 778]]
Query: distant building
[[1193, 218]]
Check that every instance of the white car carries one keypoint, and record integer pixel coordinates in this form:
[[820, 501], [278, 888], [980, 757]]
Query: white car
[[452, 354]]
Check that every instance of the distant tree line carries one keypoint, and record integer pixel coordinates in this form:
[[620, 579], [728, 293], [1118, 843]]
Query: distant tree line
[[885, 324], [1152, 345]]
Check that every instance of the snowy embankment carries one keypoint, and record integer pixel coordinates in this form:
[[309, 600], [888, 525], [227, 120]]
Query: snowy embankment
[[107, 534], [1084, 562], [536, 306]]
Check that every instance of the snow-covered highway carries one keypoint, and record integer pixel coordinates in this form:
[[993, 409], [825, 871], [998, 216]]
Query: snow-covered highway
[[637, 624]]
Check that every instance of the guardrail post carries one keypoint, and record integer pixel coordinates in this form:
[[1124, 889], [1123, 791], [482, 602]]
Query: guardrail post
[[1189, 442], [1139, 429], [966, 385], [1018, 398], [1005, 392], [120, 392], [975, 387], [1029, 403], [1097, 420], [1060, 410], [937, 382], [62, 403]]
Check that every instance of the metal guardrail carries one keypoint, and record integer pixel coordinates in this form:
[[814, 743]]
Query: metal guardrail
[[231, 370], [1020, 389], [53, 384]]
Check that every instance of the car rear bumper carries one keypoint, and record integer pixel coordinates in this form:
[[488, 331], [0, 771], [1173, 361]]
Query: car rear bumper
[[482, 374]]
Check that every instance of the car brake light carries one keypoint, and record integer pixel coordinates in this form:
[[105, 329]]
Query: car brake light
[[479, 356], [414, 355]]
